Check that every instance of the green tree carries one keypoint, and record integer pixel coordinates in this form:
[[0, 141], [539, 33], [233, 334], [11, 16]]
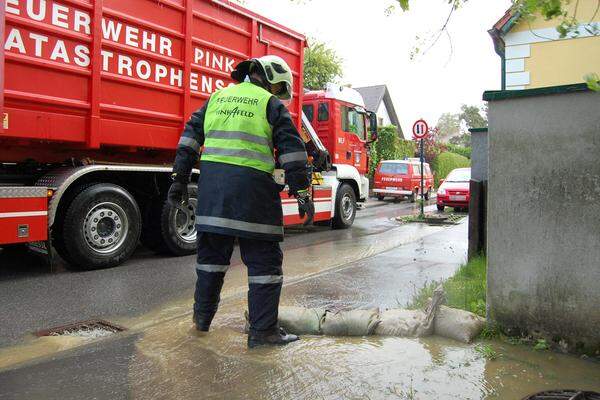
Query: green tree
[[471, 116], [321, 66], [463, 140], [448, 125]]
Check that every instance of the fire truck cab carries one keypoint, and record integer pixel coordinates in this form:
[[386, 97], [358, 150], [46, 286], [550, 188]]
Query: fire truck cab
[[344, 126]]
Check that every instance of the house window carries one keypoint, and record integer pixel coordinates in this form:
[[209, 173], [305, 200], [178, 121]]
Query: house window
[[323, 114], [309, 111], [354, 122], [379, 121]]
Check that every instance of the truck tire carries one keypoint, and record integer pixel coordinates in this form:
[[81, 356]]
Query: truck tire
[[168, 230], [58, 238], [179, 228], [103, 225], [345, 207]]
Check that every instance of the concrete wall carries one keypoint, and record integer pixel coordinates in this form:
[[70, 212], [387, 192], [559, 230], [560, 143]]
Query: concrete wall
[[479, 156], [544, 215]]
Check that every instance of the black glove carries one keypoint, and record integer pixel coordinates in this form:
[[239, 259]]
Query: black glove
[[178, 196], [305, 206]]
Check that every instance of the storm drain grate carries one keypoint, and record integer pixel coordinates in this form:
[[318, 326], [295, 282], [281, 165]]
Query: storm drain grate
[[91, 329], [565, 395]]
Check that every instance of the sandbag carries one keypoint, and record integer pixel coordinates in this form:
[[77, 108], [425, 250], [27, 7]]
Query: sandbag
[[457, 324], [404, 323], [411, 323], [350, 323], [300, 320]]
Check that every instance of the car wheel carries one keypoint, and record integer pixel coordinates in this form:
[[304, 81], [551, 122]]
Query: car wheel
[[103, 225], [345, 207]]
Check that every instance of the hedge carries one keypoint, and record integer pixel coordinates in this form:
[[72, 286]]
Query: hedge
[[389, 147], [463, 151], [446, 162]]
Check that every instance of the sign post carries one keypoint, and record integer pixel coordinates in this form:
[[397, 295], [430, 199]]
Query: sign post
[[420, 132]]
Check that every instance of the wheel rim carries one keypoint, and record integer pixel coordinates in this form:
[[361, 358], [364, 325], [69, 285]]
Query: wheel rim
[[347, 207], [105, 227], [185, 222]]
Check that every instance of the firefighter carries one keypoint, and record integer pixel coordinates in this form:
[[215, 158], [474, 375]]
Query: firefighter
[[239, 129]]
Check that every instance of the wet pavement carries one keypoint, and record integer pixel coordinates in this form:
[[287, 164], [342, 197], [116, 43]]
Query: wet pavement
[[32, 298], [161, 357]]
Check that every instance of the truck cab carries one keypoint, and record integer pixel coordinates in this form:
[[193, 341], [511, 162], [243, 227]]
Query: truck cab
[[340, 119], [344, 126]]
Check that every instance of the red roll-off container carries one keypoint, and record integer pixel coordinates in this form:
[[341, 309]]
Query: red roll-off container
[[115, 80]]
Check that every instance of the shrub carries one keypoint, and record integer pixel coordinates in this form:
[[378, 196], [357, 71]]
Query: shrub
[[461, 150], [389, 147], [446, 162]]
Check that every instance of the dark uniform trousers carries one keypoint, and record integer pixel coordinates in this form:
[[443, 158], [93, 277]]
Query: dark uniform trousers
[[265, 277]]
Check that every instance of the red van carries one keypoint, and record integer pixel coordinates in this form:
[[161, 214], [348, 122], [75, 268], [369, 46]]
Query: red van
[[401, 178], [454, 191]]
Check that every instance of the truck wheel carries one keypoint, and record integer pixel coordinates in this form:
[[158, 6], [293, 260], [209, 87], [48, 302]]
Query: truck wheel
[[103, 225], [380, 197], [58, 238], [168, 230], [440, 208], [345, 207], [178, 227]]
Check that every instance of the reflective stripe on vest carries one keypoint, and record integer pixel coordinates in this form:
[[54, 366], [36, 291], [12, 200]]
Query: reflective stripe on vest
[[237, 130]]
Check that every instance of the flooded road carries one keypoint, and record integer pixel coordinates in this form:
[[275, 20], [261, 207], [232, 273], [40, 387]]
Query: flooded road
[[166, 359], [32, 298]]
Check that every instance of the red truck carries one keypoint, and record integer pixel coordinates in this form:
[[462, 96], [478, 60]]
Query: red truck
[[94, 95]]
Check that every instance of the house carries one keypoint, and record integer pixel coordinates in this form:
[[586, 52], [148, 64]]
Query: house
[[533, 55], [378, 99]]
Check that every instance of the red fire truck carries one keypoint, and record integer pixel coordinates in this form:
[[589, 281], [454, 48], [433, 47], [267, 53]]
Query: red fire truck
[[94, 95]]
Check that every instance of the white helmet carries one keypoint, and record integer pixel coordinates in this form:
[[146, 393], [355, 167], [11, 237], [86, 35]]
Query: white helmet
[[275, 70]]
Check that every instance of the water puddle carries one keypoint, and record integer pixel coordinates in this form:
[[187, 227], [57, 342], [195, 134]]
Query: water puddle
[[169, 358]]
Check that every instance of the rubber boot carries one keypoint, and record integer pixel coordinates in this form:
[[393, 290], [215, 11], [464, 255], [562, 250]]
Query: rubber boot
[[277, 338], [202, 324]]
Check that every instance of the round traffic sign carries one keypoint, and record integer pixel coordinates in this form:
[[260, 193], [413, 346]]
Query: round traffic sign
[[420, 129]]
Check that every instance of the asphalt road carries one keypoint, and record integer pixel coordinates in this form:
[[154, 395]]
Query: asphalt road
[[166, 360], [32, 298]]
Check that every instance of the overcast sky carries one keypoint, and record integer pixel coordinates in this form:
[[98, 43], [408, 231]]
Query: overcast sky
[[376, 49]]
